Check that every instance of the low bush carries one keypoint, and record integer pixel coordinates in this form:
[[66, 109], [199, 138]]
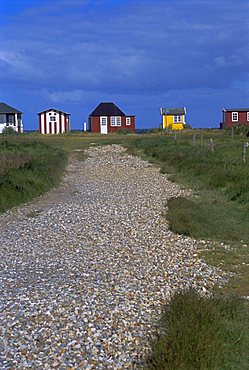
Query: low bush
[[198, 333], [125, 131], [9, 131], [205, 218]]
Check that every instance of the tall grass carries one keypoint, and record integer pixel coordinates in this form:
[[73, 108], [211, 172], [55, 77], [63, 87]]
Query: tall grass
[[220, 178], [218, 211], [198, 333], [221, 170], [28, 169], [209, 218], [31, 163]]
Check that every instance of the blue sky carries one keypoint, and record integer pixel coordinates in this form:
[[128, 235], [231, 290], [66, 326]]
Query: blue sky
[[140, 54]]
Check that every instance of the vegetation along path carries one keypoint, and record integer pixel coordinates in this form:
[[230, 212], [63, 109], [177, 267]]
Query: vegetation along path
[[86, 268]]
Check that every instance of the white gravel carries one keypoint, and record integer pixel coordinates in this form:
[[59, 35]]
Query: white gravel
[[86, 268]]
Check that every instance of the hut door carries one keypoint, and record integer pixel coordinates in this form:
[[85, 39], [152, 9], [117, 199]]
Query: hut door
[[103, 125]]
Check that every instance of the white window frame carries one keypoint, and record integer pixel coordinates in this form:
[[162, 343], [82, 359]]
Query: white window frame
[[113, 121], [103, 121], [235, 116], [177, 118], [247, 116], [116, 121], [128, 121], [52, 119]]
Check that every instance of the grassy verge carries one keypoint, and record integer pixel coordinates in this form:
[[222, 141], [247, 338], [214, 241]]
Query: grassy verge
[[31, 163], [201, 333], [209, 218], [218, 211], [28, 170], [197, 332]]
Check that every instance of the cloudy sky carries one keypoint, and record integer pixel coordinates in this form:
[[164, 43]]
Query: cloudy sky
[[139, 54]]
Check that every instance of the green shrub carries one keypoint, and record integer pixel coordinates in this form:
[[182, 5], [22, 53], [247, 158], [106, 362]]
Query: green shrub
[[124, 131], [198, 333], [205, 218], [9, 131], [156, 130], [187, 126], [242, 129]]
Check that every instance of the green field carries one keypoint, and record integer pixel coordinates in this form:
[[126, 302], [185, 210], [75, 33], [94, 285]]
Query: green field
[[218, 209], [210, 163]]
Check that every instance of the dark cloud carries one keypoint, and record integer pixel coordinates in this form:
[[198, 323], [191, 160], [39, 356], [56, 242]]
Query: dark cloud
[[75, 52]]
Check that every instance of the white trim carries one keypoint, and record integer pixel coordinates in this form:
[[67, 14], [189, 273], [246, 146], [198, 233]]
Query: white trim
[[63, 125], [247, 116], [128, 121], [103, 122], [15, 123], [42, 123], [177, 118], [116, 121], [47, 124], [237, 116], [113, 121]]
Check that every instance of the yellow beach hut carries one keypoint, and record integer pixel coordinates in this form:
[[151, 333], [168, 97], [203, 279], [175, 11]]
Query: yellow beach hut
[[173, 118]]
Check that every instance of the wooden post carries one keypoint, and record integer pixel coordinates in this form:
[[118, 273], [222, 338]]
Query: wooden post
[[232, 134], [202, 141], [193, 141], [244, 152], [212, 145], [175, 137]]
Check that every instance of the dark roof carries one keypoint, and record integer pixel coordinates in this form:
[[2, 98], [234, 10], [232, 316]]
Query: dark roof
[[53, 110], [107, 109], [4, 108], [235, 110], [172, 111]]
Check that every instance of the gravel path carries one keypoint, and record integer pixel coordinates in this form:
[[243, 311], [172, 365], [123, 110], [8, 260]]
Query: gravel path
[[86, 268]]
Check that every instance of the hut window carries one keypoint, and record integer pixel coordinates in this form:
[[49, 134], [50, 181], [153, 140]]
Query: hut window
[[235, 116], [2, 118], [177, 118], [11, 119], [115, 121], [128, 121], [118, 121]]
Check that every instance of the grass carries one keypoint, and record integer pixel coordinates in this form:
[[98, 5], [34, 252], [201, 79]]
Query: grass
[[200, 333], [218, 211], [205, 218], [28, 169], [31, 164], [195, 332]]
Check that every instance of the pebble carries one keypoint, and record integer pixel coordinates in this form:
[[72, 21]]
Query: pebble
[[86, 268]]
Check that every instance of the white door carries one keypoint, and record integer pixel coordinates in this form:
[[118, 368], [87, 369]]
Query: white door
[[2, 126], [103, 125], [2, 122]]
